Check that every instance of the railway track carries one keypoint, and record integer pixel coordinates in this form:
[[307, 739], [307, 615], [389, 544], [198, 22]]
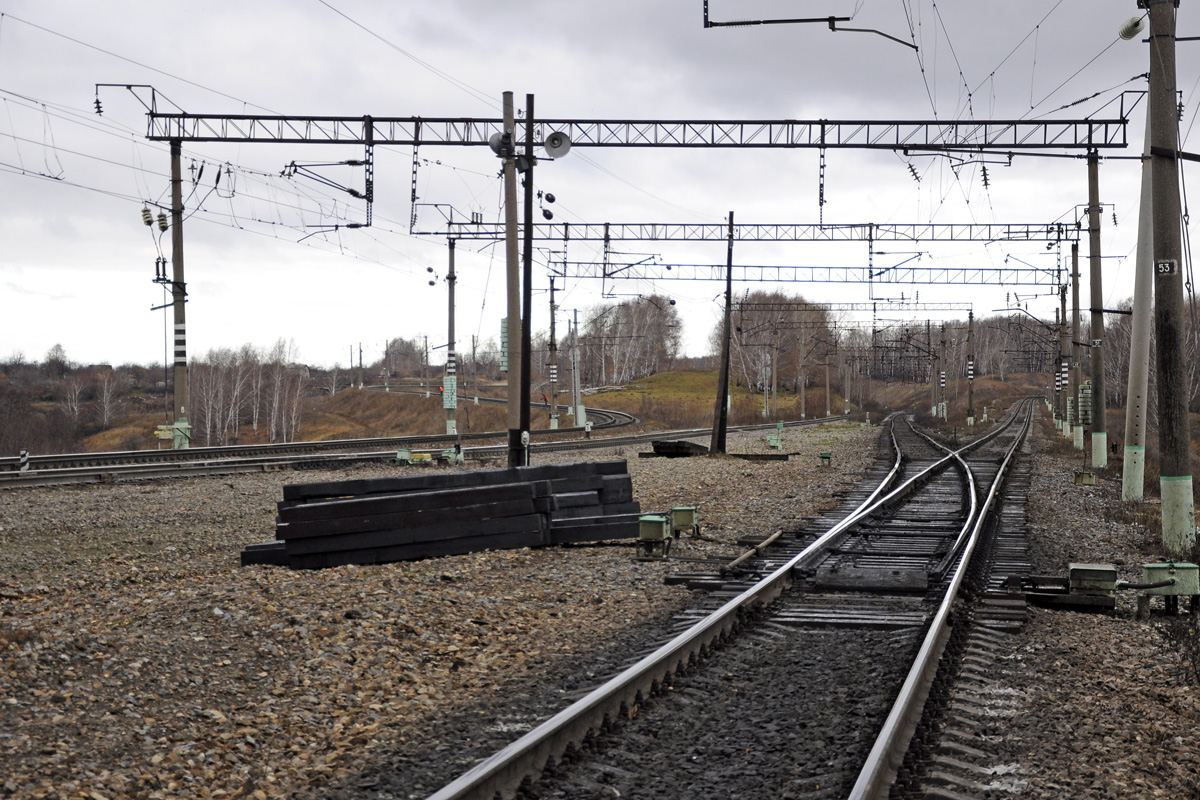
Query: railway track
[[805, 672], [603, 420], [111, 467]]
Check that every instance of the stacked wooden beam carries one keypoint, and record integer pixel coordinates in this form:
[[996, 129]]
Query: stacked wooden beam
[[377, 520]]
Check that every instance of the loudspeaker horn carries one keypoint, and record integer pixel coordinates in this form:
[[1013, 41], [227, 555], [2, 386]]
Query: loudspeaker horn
[[557, 144]]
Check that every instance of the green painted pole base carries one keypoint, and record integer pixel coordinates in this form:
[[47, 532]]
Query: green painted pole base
[[1178, 515], [1133, 475]]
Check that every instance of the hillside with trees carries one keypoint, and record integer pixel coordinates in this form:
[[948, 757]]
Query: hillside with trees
[[798, 358]]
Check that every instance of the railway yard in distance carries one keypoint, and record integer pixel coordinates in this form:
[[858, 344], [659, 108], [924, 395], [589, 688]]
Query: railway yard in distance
[[138, 659]]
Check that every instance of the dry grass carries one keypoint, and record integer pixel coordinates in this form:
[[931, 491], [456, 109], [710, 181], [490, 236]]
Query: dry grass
[[685, 399]]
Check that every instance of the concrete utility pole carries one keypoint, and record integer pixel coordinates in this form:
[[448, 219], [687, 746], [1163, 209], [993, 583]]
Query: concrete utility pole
[[828, 407], [970, 368], [803, 380], [1133, 471], [942, 375], [1174, 436], [516, 450], [576, 386], [527, 282], [1076, 356], [1064, 361], [182, 431], [450, 381], [721, 412], [933, 370], [1099, 426], [552, 361]]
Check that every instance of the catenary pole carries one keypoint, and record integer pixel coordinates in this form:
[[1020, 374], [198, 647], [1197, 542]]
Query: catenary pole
[[970, 368], [451, 381], [552, 361], [1064, 361], [512, 265], [527, 282], [1099, 424], [1133, 471], [179, 298], [1174, 436], [721, 412], [1076, 355]]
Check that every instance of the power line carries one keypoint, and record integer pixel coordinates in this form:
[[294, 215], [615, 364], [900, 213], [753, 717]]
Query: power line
[[129, 60], [455, 82]]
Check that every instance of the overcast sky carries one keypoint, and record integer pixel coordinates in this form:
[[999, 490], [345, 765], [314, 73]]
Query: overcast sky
[[77, 264]]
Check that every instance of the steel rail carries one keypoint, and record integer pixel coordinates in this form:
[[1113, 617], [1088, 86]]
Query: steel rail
[[615, 419], [505, 770], [115, 470], [879, 772]]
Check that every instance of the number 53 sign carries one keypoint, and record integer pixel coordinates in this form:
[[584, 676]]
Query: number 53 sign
[[1170, 267]]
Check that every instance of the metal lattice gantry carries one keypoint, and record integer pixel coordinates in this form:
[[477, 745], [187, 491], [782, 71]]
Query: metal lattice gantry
[[910, 272], [903, 135], [1012, 136], [747, 307], [778, 232]]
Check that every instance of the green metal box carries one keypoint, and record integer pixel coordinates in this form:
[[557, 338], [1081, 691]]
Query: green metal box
[[1187, 578], [684, 518], [1097, 579], [654, 528]]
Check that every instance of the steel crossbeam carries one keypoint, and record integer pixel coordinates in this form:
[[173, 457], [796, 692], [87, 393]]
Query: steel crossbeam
[[923, 135], [1005, 274], [878, 305], [719, 231]]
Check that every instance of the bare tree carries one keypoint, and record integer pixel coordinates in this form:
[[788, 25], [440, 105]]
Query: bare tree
[[56, 364], [330, 382], [71, 403], [629, 340], [109, 386]]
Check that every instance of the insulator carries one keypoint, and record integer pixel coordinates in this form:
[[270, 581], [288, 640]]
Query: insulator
[[162, 221], [99, 110], [913, 171], [1114, 219], [147, 217], [986, 183]]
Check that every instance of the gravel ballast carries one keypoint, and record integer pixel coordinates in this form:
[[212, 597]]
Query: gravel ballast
[[137, 659]]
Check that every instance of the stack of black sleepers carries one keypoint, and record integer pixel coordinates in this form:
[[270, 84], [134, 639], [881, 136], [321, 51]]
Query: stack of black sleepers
[[376, 520]]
